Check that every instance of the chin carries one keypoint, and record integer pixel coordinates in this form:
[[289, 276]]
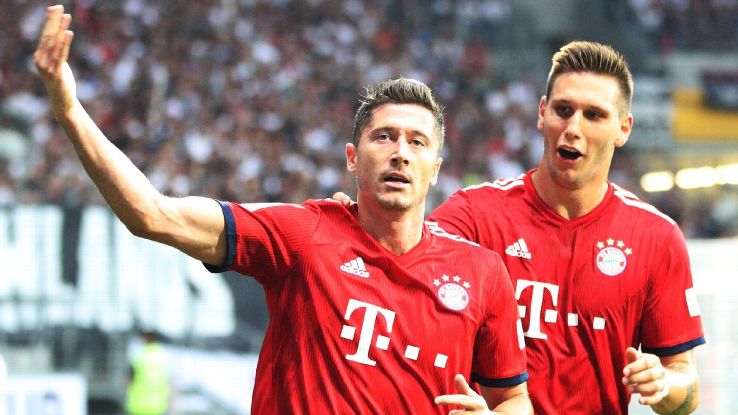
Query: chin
[[568, 179], [397, 204]]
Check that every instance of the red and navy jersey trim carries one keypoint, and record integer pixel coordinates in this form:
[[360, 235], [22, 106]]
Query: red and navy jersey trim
[[230, 228], [670, 351], [500, 383]]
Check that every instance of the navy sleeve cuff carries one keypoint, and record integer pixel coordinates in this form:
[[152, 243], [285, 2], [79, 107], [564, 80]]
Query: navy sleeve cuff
[[230, 228], [500, 383], [670, 351]]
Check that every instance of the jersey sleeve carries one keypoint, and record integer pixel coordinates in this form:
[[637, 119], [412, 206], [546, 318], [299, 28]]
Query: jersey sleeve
[[671, 320], [499, 349], [456, 216], [264, 240]]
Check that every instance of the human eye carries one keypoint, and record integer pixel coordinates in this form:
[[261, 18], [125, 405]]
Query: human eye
[[563, 111], [383, 137], [417, 142], [593, 115]]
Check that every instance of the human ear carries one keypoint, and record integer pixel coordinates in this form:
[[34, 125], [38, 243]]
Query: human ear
[[626, 126], [351, 157], [541, 112], [436, 170]]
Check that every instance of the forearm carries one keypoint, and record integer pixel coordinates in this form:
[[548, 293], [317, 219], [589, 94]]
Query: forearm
[[515, 405], [123, 186], [194, 225], [683, 394]]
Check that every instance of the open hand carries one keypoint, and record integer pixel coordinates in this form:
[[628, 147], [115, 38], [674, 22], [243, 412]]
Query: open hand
[[51, 59]]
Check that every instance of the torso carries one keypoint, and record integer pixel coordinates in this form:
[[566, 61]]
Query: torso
[[582, 286], [353, 326]]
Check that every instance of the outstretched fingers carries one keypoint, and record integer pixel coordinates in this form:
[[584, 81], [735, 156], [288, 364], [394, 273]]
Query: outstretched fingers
[[55, 41], [64, 39], [53, 18]]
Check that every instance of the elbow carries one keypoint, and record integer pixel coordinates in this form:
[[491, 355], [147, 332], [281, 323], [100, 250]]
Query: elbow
[[139, 229], [143, 220]]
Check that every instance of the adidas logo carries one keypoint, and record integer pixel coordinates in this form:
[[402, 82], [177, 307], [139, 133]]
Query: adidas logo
[[518, 249], [356, 267]]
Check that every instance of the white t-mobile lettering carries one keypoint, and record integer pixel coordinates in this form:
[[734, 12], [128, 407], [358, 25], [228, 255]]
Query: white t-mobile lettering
[[367, 328], [536, 303]]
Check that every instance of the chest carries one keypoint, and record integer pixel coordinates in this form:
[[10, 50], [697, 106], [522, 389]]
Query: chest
[[594, 276], [443, 286], [373, 306]]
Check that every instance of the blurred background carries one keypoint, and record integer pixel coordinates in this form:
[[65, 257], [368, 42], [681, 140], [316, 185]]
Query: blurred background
[[250, 100]]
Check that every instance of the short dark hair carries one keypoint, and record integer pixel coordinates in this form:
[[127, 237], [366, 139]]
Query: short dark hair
[[582, 56], [397, 91]]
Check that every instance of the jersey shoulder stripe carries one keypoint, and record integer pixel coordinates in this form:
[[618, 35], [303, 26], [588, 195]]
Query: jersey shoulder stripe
[[632, 200], [253, 207], [501, 184], [437, 230]]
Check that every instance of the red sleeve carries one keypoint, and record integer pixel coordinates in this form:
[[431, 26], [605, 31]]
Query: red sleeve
[[456, 216], [671, 321], [264, 240], [499, 355]]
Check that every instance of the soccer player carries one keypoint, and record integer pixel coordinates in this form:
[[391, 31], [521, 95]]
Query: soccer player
[[372, 310], [597, 272]]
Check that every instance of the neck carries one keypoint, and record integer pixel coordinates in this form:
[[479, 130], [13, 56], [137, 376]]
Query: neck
[[570, 203], [398, 231]]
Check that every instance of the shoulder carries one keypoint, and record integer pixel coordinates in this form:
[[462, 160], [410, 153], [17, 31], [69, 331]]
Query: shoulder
[[503, 185], [279, 213], [500, 188], [447, 238], [450, 242], [466, 256], [316, 206], [255, 207], [637, 208], [324, 205], [331, 215], [330, 208]]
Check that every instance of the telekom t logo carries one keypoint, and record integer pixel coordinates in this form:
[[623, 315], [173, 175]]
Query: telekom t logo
[[536, 304], [367, 330]]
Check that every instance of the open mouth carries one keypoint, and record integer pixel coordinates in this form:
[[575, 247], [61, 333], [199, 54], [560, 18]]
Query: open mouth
[[396, 178], [569, 154]]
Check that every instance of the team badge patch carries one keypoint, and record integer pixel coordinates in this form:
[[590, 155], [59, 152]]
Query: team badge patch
[[612, 257], [452, 292]]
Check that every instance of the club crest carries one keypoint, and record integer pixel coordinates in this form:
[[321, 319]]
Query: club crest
[[612, 257], [452, 292]]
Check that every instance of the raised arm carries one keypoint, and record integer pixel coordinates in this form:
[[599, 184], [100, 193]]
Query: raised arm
[[194, 225]]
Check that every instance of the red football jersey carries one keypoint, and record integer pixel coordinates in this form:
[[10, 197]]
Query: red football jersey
[[357, 329], [586, 288]]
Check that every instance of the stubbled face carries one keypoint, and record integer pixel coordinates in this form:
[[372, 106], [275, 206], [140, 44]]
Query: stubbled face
[[397, 158], [582, 126]]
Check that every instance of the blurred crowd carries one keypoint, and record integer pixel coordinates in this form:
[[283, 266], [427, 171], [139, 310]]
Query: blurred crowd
[[687, 24], [252, 100]]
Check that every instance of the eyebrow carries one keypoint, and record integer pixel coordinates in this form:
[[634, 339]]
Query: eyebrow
[[412, 132], [588, 106]]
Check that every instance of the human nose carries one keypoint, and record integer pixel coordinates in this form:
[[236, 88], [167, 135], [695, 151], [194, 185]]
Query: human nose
[[573, 128], [400, 153]]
